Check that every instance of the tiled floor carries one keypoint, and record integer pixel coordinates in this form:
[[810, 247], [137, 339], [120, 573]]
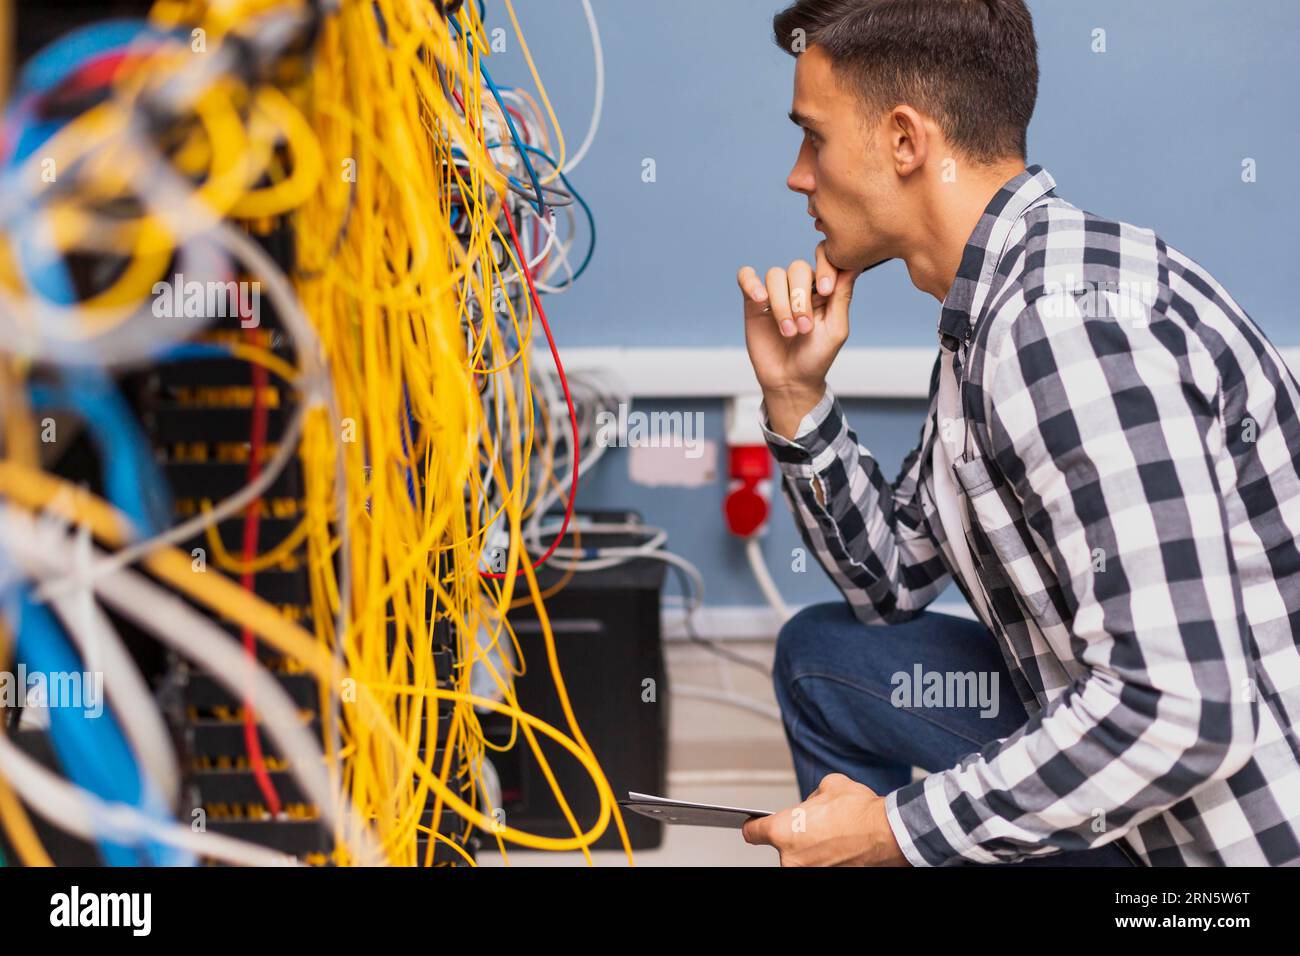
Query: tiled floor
[[718, 753]]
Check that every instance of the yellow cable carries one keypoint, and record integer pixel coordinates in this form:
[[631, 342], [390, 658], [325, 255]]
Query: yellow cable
[[541, 89], [34, 490]]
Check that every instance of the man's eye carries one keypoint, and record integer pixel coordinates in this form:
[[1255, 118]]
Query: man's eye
[[813, 138]]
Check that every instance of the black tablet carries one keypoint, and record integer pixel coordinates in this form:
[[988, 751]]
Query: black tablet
[[685, 813]]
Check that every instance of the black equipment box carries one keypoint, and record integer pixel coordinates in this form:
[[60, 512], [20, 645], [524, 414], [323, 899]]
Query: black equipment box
[[606, 626]]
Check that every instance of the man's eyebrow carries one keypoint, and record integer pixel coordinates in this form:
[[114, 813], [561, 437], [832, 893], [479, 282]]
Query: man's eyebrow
[[799, 119]]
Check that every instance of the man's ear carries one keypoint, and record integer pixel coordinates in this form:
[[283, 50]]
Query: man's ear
[[909, 139]]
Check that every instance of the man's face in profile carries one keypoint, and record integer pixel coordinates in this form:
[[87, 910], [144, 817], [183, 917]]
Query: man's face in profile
[[840, 167]]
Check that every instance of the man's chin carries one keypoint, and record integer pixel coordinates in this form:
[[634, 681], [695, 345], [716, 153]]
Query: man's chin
[[834, 256], [859, 261]]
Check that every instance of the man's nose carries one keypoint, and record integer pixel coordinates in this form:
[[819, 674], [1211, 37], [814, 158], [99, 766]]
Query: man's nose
[[801, 178]]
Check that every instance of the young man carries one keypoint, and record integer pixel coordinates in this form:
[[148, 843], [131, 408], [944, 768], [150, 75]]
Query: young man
[[1108, 471]]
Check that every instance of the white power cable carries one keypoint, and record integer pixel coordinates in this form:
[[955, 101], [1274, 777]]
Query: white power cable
[[764, 578]]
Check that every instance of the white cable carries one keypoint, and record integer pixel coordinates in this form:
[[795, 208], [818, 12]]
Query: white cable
[[611, 557], [764, 578], [315, 386], [86, 815], [552, 231], [590, 454], [599, 105], [103, 652], [195, 636], [561, 258]]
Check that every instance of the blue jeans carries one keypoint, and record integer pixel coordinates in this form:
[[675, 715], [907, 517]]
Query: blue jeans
[[838, 682]]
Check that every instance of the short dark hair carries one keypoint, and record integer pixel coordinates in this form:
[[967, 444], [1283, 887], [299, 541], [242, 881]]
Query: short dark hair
[[970, 64]]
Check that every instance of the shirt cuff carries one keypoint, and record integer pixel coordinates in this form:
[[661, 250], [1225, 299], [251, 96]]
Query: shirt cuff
[[926, 826], [901, 834], [816, 432]]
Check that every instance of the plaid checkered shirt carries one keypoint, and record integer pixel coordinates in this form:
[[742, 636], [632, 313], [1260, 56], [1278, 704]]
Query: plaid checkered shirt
[[1128, 458]]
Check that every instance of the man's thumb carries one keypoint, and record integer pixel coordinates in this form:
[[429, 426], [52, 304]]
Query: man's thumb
[[837, 305]]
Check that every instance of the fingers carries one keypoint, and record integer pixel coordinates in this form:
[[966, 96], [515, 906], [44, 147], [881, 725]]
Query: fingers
[[758, 831], [800, 280], [791, 296], [837, 306], [751, 285], [826, 273], [778, 293]]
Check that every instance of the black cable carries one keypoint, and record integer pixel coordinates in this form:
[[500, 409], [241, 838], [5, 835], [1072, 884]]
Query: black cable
[[532, 196], [448, 9]]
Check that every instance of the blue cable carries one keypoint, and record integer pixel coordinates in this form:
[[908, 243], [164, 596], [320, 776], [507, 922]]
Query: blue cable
[[49, 67], [56, 62], [185, 351], [132, 480], [538, 201], [43, 73], [92, 751], [591, 219], [410, 426]]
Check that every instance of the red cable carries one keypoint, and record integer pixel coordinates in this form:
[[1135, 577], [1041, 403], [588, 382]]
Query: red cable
[[252, 517], [523, 124], [564, 382], [559, 367], [527, 139], [98, 72]]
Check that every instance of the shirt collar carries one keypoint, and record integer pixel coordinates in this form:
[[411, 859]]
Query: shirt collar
[[985, 247]]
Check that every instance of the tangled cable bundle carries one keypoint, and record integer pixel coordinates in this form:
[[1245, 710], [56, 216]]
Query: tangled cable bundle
[[430, 209]]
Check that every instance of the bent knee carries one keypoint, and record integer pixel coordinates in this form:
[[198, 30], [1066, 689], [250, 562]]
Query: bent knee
[[806, 634]]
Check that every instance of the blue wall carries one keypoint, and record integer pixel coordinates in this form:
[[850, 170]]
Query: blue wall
[[1153, 131]]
